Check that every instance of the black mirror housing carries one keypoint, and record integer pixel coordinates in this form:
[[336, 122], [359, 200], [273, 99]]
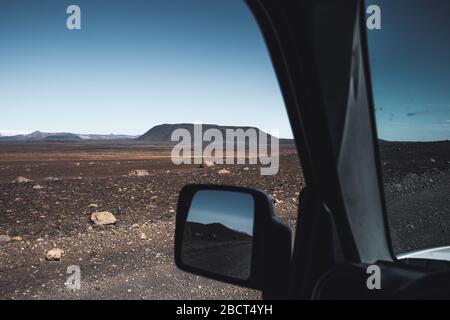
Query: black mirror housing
[[270, 249]]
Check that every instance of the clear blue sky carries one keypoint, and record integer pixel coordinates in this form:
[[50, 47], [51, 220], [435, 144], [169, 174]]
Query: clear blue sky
[[134, 64], [139, 63], [410, 62], [234, 210]]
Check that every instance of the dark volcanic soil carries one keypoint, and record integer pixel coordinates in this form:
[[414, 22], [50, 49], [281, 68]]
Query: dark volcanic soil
[[417, 187], [132, 259]]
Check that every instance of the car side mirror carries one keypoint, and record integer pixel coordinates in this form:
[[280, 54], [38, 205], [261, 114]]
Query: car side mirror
[[231, 234]]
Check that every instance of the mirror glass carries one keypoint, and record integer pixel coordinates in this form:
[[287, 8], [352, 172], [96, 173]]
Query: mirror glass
[[218, 233]]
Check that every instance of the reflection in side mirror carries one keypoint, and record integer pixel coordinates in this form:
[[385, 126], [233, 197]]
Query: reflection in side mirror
[[218, 234], [231, 234]]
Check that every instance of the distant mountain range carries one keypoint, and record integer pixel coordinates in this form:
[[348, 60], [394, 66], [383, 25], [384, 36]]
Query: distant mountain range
[[158, 134], [62, 137], [106, 136]]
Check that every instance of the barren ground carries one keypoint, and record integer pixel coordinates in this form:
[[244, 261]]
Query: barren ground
[[417, 187], [117, 264], [114, 261]]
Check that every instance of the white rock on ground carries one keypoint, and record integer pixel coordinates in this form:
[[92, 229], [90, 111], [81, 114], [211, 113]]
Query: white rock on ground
[[38, 187], [54, 254], [207, 164], [138, 173], [223, 171], [21, 180], [103, 218]]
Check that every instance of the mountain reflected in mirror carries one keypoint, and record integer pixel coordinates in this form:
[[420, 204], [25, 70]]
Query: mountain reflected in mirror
[[218, 234]]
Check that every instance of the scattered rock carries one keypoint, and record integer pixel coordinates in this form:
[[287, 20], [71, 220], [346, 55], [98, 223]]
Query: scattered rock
[[143, 236], [93, 205], [135, 226], [4, 238], [207, 164], [246, 169], [103, 218], [21, 180], [138, 173], [54, 254], [223, 171], [432, 160], [38, 187], [276, 201], [17, 238]]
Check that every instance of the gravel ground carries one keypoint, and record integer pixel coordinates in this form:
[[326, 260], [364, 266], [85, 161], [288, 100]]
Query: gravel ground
[[132, 259]]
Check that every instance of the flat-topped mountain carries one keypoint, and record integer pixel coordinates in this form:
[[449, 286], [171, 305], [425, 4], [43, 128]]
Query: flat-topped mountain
[[214, 231], [163, 133]]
